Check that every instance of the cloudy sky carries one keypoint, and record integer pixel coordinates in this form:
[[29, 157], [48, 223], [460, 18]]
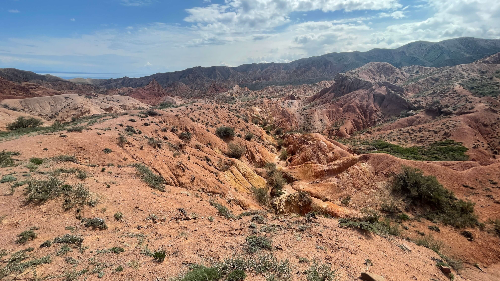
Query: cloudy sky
[[115, 38]]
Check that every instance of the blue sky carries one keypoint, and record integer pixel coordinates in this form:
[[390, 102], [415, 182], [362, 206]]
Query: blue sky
[[115, 38]]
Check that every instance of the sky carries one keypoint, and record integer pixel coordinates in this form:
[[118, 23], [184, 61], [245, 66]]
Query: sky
[[116, 38]]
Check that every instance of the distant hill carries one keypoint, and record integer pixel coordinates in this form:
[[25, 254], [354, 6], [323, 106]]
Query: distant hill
[[201, 80]]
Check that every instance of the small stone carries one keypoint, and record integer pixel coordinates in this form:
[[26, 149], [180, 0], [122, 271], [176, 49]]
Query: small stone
[[445, 269], [371, 277]]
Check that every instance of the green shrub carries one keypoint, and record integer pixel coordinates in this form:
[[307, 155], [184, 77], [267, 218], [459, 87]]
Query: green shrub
[[107, 150], [261, 195], [36, 161], [236, 275], [321, 272], [185, 136], [275, 180], [283, 155], [40, 191], [46, 244], [122, 140], [225, 133], [66, 158], [6, 159], [202, 273], [436, 202], [235, 151], [256, 243], [81, 175], [25, 236], [153, 180], [447, 150], [159, 256], [223, 211], [95, 223], [8, 178], [24, 122], [77, 129], [119, 268], [371, 223], [118, 216], [69, 239], [496, 227], [117, 250], [249, 136], [430, 243]]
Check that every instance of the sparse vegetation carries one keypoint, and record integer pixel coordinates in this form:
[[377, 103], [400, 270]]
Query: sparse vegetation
[[36, 161], [8, 178], [448, 150], [69, 239], [225, 133], [66, 158], [159, 256], [154, 143], [95, 223], [118, 216], [17, 263], [223, 210], [275, 180], [107, 150], [24, 123], [26, 236], [6, 159], [432, 199], [153, 180], [320, 272], [248, 136], [256, 243], [235, 151], [261, 195], [371, 223]]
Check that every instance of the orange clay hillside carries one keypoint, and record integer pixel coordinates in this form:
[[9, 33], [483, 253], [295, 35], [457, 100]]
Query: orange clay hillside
[[382, 173]]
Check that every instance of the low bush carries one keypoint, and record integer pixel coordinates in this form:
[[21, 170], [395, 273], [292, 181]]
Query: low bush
[[320, 272], [24, 122], [202, 273], [225, 132], [223, 210], [66, 158], [371, 223], [118, 216], [261, 195], [36, 161], [185, 136], [95, 223], [432, 199], [6, 159], [153, 180], [159, 256], [154, 143], [275, 180], [430, 243], [107, 150], [8, 178], [69, 239], [256, 243], [77, 129], [236, 275], [235, 151], [249, 136], [447, 150], [25, 236]]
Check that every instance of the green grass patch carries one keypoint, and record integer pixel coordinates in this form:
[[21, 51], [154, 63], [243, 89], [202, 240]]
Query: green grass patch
[[435, 202], [447, 150], [8, 178], [19, 263], [371, 223], [24, 123]]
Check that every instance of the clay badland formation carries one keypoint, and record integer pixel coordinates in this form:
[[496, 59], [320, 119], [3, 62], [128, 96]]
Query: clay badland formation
[[381, 172]]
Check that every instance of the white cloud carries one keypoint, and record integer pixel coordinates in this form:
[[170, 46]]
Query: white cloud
[[72, 19], [247, 31], [14, 11]]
